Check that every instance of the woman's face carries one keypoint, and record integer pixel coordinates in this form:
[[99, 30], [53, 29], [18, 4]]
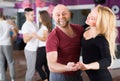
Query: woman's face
[[92, 18]]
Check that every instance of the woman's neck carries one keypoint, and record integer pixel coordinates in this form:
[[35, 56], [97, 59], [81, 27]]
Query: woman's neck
[[91, 32]]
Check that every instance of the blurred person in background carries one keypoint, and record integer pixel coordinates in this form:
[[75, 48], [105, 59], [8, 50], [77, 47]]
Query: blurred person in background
[[28, 29], [6, 49], [41, 35], [13, 37]]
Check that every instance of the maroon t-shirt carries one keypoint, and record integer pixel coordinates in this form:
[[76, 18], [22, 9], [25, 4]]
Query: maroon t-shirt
[[68, 48]]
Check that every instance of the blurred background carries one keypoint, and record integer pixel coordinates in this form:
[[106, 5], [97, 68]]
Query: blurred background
[[14, 10]]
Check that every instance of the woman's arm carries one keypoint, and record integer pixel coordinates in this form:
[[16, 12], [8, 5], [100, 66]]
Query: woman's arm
[[93, 66]]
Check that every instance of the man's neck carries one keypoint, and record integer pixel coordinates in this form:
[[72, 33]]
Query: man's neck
[[64, 28], [1, 19], [29, 20]]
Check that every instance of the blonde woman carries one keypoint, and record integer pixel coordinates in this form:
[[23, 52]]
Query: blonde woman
[[98, 44]]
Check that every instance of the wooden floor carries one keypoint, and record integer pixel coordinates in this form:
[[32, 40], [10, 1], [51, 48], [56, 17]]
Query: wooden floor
[[20, 69]]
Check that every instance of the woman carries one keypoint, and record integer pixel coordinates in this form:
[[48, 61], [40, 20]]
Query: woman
[[98, 43], [45, 29]]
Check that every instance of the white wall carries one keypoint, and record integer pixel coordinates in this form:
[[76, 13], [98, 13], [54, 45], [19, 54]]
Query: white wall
[[10, 11]]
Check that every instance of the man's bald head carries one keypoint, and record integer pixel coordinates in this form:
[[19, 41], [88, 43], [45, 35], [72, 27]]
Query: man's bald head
[[61, 15], [60, 7]]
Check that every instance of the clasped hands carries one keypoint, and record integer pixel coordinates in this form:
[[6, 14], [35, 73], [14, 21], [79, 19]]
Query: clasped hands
[[34, 35], [72, 66]]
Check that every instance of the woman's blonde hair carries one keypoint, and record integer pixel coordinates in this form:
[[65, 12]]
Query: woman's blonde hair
[[106, 25]]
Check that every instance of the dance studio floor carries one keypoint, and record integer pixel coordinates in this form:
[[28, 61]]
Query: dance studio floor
[[20, 68]]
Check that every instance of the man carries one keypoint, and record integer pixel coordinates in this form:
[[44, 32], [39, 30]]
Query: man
[[28, 28], [6, 51], [13, 35], [63, 47]]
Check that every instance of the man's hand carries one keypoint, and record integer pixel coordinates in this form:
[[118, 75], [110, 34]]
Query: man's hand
[[34, 35], [71, 66]]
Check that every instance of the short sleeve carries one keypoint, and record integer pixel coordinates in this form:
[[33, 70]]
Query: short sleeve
[[6, 24], [44, 27], [52, 42], [25, 29]]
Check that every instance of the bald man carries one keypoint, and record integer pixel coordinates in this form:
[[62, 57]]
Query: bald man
[[63, 47]]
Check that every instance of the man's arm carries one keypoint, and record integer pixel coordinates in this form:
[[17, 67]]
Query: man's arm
[[27, 37], [57, 67], [52, 63], [41, 38]]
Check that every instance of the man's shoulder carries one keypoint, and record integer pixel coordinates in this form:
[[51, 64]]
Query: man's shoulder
[[4, 22], [26, 24], [77, 26], [53, 32]]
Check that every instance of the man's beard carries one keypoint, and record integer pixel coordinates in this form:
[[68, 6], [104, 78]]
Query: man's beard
[[63, 25]]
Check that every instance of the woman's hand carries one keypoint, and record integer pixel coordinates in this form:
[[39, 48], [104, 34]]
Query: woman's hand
[[83, 66]]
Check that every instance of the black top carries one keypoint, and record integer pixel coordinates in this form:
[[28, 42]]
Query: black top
[[97, 49]]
